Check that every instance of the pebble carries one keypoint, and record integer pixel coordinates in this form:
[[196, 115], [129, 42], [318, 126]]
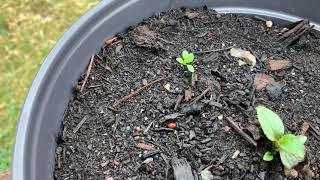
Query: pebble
[[147, 161], [192, 134], [220, 117]]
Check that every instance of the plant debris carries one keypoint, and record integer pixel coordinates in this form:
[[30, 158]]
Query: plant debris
[[278, 64], [240, 53], [262, 80]]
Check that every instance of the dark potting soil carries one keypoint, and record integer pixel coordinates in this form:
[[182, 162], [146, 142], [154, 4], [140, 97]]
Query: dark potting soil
[[132, 141]]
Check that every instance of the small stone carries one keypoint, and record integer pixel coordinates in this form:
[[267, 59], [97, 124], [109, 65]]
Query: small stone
[[220, 117], [274, 90], [206, 175], [226, 128], [144, 82], [104, 164], [90, 147], [147, 161], [192, 134], [269, 24]]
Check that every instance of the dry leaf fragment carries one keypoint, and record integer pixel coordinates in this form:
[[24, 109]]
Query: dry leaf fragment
[[187, 95], [262, 80], [240, 53], [144, 146], [235, 154], [278, 64], [115, 163], [290, 172]]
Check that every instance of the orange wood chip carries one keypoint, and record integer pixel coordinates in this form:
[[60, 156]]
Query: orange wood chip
[[110, 41], [144, 146], [278, 64], [262, 80]]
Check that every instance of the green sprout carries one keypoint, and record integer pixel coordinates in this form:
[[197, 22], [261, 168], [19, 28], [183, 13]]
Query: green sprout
[[187, 60], [290, 147]]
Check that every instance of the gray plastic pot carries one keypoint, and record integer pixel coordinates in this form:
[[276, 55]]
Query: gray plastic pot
[[52, 88]]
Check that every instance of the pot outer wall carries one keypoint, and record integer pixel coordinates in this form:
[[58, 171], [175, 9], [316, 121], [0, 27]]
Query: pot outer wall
[[42, 114]]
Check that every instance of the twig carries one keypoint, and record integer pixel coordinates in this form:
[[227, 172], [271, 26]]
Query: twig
[[95, 86], [136, 92], [104, 67], [315, 130], [163, 129], [293, 30], [243, 134], [201, 95], [166, 41], [213, 50], [179, 99], [193, 79], [87, 73], [86, 117]]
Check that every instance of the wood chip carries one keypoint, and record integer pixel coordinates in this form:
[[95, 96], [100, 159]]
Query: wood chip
[[144, 146], [278, 64], [290, 173], [167, 87], [262, 80], [187, 95], [115, 163], [235, 154], [110, 41], [304, 128]]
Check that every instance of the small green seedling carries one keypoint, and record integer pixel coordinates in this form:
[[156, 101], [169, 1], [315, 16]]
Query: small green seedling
[[187, 60], [290, 147]]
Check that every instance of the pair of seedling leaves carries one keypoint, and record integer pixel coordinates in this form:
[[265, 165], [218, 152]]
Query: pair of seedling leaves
[[187, 60], [290, 147]]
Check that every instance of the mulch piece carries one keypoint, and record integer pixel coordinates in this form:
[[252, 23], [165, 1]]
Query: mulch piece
[[132, 140]]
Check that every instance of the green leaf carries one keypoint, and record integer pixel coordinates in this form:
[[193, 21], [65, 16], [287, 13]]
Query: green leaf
[[292, 150], [270, 123], [268, 156], [184, 54], [190, 68], [180, 60], [189, 58]]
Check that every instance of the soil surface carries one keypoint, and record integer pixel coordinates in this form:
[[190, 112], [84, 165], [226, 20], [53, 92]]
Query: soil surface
[[132, 141]]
